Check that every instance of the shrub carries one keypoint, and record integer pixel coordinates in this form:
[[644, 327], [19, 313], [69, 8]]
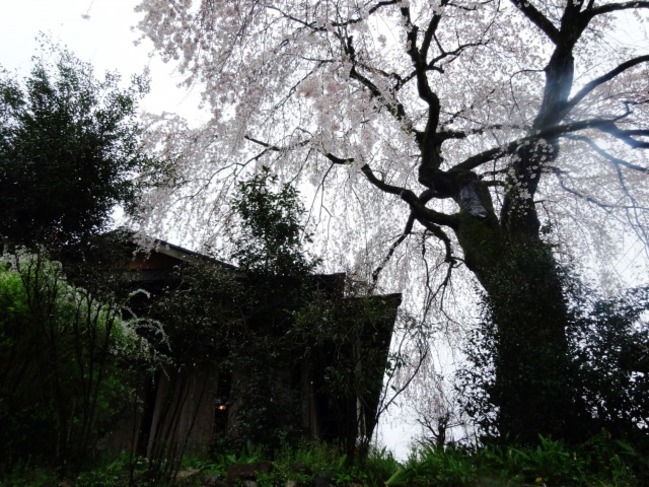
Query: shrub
[[63, 357]]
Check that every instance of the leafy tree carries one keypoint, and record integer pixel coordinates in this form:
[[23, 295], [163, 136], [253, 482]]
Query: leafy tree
[[69, 150], [492, 132], [611, 346], [275, 281], [609, 340], [476, 380], [263, 323], [239, 320], [270, 234]]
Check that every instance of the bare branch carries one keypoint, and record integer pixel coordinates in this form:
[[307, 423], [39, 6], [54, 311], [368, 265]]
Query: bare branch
[[430, 31], [608, 156], [590, 199], [626, 136], [538, 19], [338, 160], [605, 78], [393, 106], [606, 125], [352, 21], [441, 235], [454, 53], [449, 259], [423, 214], [419, 62], [393, 247], [268, 146], [615, 7]]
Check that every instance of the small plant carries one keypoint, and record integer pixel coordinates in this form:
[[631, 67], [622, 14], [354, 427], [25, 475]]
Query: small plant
[[379, 465], [307, 461], [431, 465], [27, 475], [126, 469], [551, 463]]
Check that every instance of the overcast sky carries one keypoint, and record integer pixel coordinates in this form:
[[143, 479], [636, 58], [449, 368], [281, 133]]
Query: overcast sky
[[99, 31]]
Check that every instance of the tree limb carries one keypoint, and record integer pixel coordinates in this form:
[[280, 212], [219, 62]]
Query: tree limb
[[538, 19], [590, 199], [586, 90], [614, 7], [406, 231], [422, 213], [606, 155], [550, 133], [393, 106]]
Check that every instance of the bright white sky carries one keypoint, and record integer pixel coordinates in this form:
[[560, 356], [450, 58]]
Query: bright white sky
[[99, 31]]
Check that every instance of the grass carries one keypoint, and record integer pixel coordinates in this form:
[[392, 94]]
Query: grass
[[599, 462]]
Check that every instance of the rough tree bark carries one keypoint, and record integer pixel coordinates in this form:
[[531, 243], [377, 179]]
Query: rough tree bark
[[525, 296]]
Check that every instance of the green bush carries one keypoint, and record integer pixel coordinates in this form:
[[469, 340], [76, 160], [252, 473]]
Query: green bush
[[305, 462], [69, 150], [600, 461], [125, 469], [63, 365], [608, 340]]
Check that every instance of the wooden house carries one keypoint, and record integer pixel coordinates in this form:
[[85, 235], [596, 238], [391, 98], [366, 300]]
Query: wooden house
[[193, 406]]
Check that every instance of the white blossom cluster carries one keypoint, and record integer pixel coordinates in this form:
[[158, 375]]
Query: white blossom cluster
[[317, 90]]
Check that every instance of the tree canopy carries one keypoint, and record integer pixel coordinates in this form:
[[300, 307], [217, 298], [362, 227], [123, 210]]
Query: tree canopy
[[270, 235], [69, 150], [414, 93], [498, 137]]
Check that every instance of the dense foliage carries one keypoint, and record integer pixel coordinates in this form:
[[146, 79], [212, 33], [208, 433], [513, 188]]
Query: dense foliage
[[268, 324], [69, 150], [488, 130], [269, 234], [600, 461], [64, 365], [241, 319], [609, 341]]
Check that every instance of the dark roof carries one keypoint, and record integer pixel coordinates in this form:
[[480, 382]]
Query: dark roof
[[142, 268]]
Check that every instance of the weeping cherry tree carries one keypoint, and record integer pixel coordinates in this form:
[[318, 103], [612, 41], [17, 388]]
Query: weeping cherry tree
[[492, 138]]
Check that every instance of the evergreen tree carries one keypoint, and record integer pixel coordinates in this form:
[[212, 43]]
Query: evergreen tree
[[69, 151]]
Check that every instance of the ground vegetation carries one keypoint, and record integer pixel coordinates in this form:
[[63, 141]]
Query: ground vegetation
[[68, 361]]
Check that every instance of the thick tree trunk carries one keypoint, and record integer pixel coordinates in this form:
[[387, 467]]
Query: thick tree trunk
[[532, 364], [525, 297]]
